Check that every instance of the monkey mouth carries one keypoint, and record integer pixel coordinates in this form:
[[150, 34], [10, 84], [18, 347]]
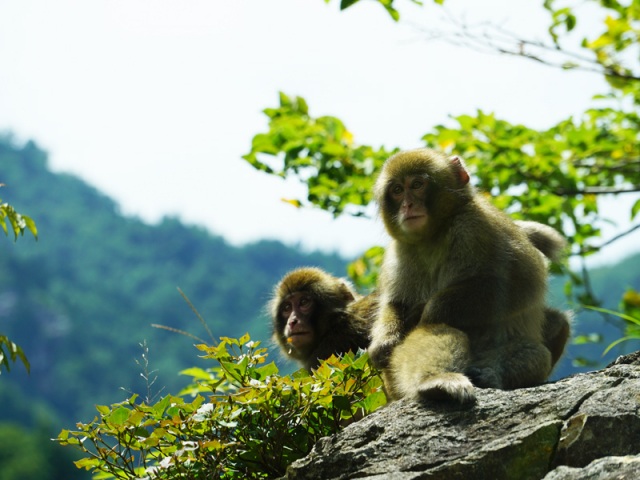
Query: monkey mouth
[[414, 217], [297, 334]]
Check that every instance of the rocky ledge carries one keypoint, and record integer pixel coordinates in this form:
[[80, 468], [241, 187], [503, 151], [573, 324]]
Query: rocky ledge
[[586, 426]]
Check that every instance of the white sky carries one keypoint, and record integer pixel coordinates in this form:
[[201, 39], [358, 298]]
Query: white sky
[[154, 101]]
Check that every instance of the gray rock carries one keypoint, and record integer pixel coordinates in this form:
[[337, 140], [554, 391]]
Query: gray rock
[[519, 434], [607, 468]]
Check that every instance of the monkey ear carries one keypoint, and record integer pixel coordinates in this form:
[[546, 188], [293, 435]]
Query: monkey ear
[[460, 169], [347, 290]]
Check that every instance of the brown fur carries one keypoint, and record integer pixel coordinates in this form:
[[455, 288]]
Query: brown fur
[[340, 322], [471, 268]]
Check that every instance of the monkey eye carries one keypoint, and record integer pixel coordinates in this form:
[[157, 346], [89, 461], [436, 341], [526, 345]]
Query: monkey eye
[[306, 302], [285, 308], [417, 184], [396, 190]]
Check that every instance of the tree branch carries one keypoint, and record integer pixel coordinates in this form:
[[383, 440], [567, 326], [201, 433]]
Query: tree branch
[[609, 242], [562, 192], [486, 37]]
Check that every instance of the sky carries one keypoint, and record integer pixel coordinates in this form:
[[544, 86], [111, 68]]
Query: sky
[[155, 101]]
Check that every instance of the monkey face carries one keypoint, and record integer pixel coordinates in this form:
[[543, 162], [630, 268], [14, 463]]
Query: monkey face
[[408, 197], [296, 312], [418, 191]]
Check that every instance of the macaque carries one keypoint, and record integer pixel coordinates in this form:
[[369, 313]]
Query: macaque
[[316, 315], [550, 243], [556, 332], [557, 325], [462, 288]]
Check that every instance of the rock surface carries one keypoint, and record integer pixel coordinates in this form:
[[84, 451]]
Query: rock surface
[[582, 427]]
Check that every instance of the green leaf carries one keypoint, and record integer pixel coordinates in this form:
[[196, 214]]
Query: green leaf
[[87, 463], [266, 371], [119, 416], [375, 401], [628, 318], [620, 340], [635, 209], [344, 4], [31, 225]]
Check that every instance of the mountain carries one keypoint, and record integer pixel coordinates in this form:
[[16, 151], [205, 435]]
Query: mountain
[[82, 298]]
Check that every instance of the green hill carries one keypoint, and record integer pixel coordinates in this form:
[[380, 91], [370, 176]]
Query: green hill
[[83, 297]]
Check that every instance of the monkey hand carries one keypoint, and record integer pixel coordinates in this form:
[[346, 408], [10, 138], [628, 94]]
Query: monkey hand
[[380, 352]]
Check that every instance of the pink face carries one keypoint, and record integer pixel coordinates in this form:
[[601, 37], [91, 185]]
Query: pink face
[[409, 197], [296, 310]]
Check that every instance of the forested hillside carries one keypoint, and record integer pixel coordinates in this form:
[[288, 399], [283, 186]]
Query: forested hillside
[[83, 297]]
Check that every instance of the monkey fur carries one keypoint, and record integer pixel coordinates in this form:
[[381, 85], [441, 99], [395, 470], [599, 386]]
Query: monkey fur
[[557, 325], [462, 289], [338, 321], [544, 238]]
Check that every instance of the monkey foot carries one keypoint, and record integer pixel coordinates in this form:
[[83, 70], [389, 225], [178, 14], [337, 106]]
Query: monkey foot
[[484, 377], [447, 387]]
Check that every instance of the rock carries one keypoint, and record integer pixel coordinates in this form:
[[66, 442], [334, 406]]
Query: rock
[[620, 468], [586, 424]]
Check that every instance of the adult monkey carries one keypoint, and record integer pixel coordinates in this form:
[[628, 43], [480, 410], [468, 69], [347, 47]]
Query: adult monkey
[[462, 289], [316, 315]]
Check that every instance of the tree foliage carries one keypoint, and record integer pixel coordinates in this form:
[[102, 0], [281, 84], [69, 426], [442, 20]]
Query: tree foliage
[[18, 223], [245, 420], [556, 175]]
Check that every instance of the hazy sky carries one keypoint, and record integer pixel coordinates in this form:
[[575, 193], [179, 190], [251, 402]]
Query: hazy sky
[[155, 101]]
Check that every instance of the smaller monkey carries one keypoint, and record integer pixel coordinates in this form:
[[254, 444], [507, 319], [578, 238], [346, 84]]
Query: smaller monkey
[[316, 315]]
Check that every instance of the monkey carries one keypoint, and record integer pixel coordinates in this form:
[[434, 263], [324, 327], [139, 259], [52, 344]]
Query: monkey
[[546, 239], [316, 315], [462, 288], [361, 311], [557, 324]]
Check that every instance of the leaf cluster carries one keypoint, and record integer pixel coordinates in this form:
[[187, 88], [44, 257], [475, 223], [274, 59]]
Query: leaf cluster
[[245, 420], [388, 5], [13, 352], [319, 151], [17, 222]]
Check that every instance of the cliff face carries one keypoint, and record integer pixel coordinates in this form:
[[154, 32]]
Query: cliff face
[[582, 427]]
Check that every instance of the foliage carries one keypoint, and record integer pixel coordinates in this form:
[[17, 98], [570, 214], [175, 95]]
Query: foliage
[[11, 351], [253, 425], [630, 307], [321, 153], [18, 224], [93, 288], [31, 455], [387, 4], [555, 175]]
